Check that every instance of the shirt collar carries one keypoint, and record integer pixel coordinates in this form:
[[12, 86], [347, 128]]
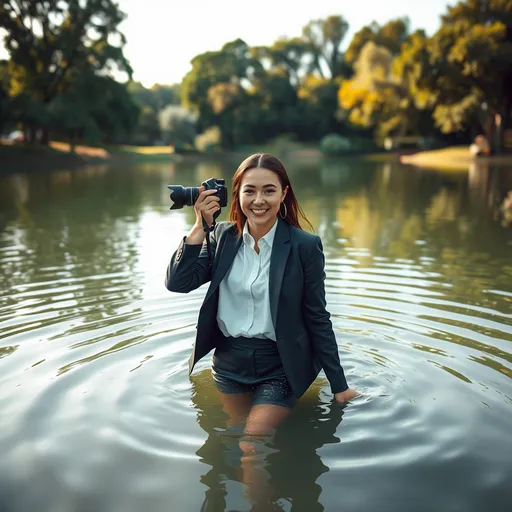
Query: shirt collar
[[268, 238]]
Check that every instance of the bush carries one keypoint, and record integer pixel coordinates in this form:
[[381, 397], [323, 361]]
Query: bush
[[177, 125], [209, 140], [334, 144]]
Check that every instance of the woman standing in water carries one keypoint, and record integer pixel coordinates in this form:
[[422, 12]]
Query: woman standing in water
[[265, 310]]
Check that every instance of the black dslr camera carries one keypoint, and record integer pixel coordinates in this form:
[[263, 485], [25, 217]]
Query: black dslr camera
[[187, 196]]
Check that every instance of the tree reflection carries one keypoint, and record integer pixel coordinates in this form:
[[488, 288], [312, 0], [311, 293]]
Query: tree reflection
[[78, 227]]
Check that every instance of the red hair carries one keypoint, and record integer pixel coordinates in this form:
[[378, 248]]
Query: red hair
[[265, 161]]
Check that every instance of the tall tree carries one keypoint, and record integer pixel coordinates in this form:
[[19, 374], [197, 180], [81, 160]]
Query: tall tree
[[385, 94], [287, 55], [215, 86], [391, 35], [324, 38], [51, 42], [471, 68]]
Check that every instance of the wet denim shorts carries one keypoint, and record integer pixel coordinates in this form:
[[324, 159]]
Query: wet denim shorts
[[242, 365]]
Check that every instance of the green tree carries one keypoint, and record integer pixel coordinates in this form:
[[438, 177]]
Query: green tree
[[178, 126], [156, 97], [285, 55], [320, 106], [384, 93], [152, 101], [391, 35], [215, 88], [52, 43], [470, 68], [148, 128], [324, 38], [94, 108]]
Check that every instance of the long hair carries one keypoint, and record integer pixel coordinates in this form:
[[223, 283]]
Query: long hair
[[265, 161]]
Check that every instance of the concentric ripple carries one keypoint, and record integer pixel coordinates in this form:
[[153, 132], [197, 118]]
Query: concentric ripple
[[99, 414]]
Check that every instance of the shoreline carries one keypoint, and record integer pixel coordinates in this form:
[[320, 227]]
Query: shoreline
[[36, 158], [454, 158], [16, 157]]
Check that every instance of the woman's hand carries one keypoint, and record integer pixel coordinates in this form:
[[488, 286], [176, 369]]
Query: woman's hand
[[205, 206], [345, 396]]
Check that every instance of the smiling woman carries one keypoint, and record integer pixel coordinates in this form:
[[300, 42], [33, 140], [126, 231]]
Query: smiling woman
[[261, 191], [265, 311]]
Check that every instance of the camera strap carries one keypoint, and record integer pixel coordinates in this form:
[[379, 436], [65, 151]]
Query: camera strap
[[208, 229]]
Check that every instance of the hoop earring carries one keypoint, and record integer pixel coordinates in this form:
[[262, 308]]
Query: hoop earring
[[285, 211]]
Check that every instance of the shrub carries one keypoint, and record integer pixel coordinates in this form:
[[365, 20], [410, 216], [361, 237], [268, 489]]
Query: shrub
[[334, 144], [209, 140]]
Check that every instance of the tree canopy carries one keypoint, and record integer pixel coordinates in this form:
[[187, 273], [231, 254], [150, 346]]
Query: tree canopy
[[67, 75]]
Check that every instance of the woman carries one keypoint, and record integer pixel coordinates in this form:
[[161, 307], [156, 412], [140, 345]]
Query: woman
[[264, 312]]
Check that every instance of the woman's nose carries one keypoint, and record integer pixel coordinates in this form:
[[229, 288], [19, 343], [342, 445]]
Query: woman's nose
[[259, 198]]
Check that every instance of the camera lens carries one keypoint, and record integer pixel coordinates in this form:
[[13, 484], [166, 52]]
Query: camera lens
[[182, 196]]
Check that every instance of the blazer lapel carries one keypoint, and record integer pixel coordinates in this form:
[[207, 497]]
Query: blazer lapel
[[280, 251], [227, 255]]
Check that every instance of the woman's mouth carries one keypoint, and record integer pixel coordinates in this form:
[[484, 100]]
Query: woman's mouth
[[259, 212]]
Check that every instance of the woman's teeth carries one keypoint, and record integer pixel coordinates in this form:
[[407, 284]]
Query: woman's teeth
[[259, 212]]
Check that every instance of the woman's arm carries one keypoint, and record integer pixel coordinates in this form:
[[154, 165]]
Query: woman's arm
[[189, 267], [317, 318]]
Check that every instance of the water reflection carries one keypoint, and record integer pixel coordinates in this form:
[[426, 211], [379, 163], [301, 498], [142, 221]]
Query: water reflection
[[284, 470], [419, 284]]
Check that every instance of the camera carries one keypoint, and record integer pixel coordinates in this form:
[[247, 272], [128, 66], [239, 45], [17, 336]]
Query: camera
[[187, 196]]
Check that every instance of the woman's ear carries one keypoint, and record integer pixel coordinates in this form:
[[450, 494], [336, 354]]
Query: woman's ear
[[285, 191]]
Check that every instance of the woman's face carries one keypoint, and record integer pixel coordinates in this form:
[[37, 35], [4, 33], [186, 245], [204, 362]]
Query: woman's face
[[261, 195]]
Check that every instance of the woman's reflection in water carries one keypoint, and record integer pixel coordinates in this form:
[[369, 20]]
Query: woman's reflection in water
[[279, 472]]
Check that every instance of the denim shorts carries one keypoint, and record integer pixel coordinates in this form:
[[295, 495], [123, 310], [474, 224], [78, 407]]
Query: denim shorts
[[242, 365]]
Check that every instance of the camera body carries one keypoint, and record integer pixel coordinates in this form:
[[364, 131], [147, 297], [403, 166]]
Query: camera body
[[187, 196], [217, 184]]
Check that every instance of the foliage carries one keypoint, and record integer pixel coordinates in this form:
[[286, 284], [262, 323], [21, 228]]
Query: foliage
[[334, 144], [390, 82], [384, 93], [148, 128], [178, 125], [56, 47], [324, 39], [363, 96], [389, 36], [209, 140], [470, 67]]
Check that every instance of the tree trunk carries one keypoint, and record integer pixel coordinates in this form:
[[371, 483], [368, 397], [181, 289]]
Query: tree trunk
[[489, 128], [45, 136], [72, 142], [30, 134], [504, 124]]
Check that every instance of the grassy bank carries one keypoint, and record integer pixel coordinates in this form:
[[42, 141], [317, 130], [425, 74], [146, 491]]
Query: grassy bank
[[145, 153], [39, 158], [15, 157], [58, 155], [455, 158]]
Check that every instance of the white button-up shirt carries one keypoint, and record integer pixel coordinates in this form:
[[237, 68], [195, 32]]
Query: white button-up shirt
[[244, 301]]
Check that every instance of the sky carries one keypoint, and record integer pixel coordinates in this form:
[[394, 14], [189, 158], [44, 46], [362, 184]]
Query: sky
[[163, 36]]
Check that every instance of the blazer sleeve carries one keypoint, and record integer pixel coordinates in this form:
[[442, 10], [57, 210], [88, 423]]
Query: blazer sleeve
[[317, 318], [189, 268]]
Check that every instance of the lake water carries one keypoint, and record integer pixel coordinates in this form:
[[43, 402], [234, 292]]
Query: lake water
[[97, 412]]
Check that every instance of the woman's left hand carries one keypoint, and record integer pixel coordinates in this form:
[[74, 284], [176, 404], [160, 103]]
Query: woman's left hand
[[345, 396]]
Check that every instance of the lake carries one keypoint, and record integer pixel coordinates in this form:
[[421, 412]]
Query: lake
[[97, 409]]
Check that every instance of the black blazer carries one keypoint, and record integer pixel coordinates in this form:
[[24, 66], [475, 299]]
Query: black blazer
[[303, 328]]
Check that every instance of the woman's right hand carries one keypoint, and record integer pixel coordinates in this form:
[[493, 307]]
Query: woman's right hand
[[205, 206]]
